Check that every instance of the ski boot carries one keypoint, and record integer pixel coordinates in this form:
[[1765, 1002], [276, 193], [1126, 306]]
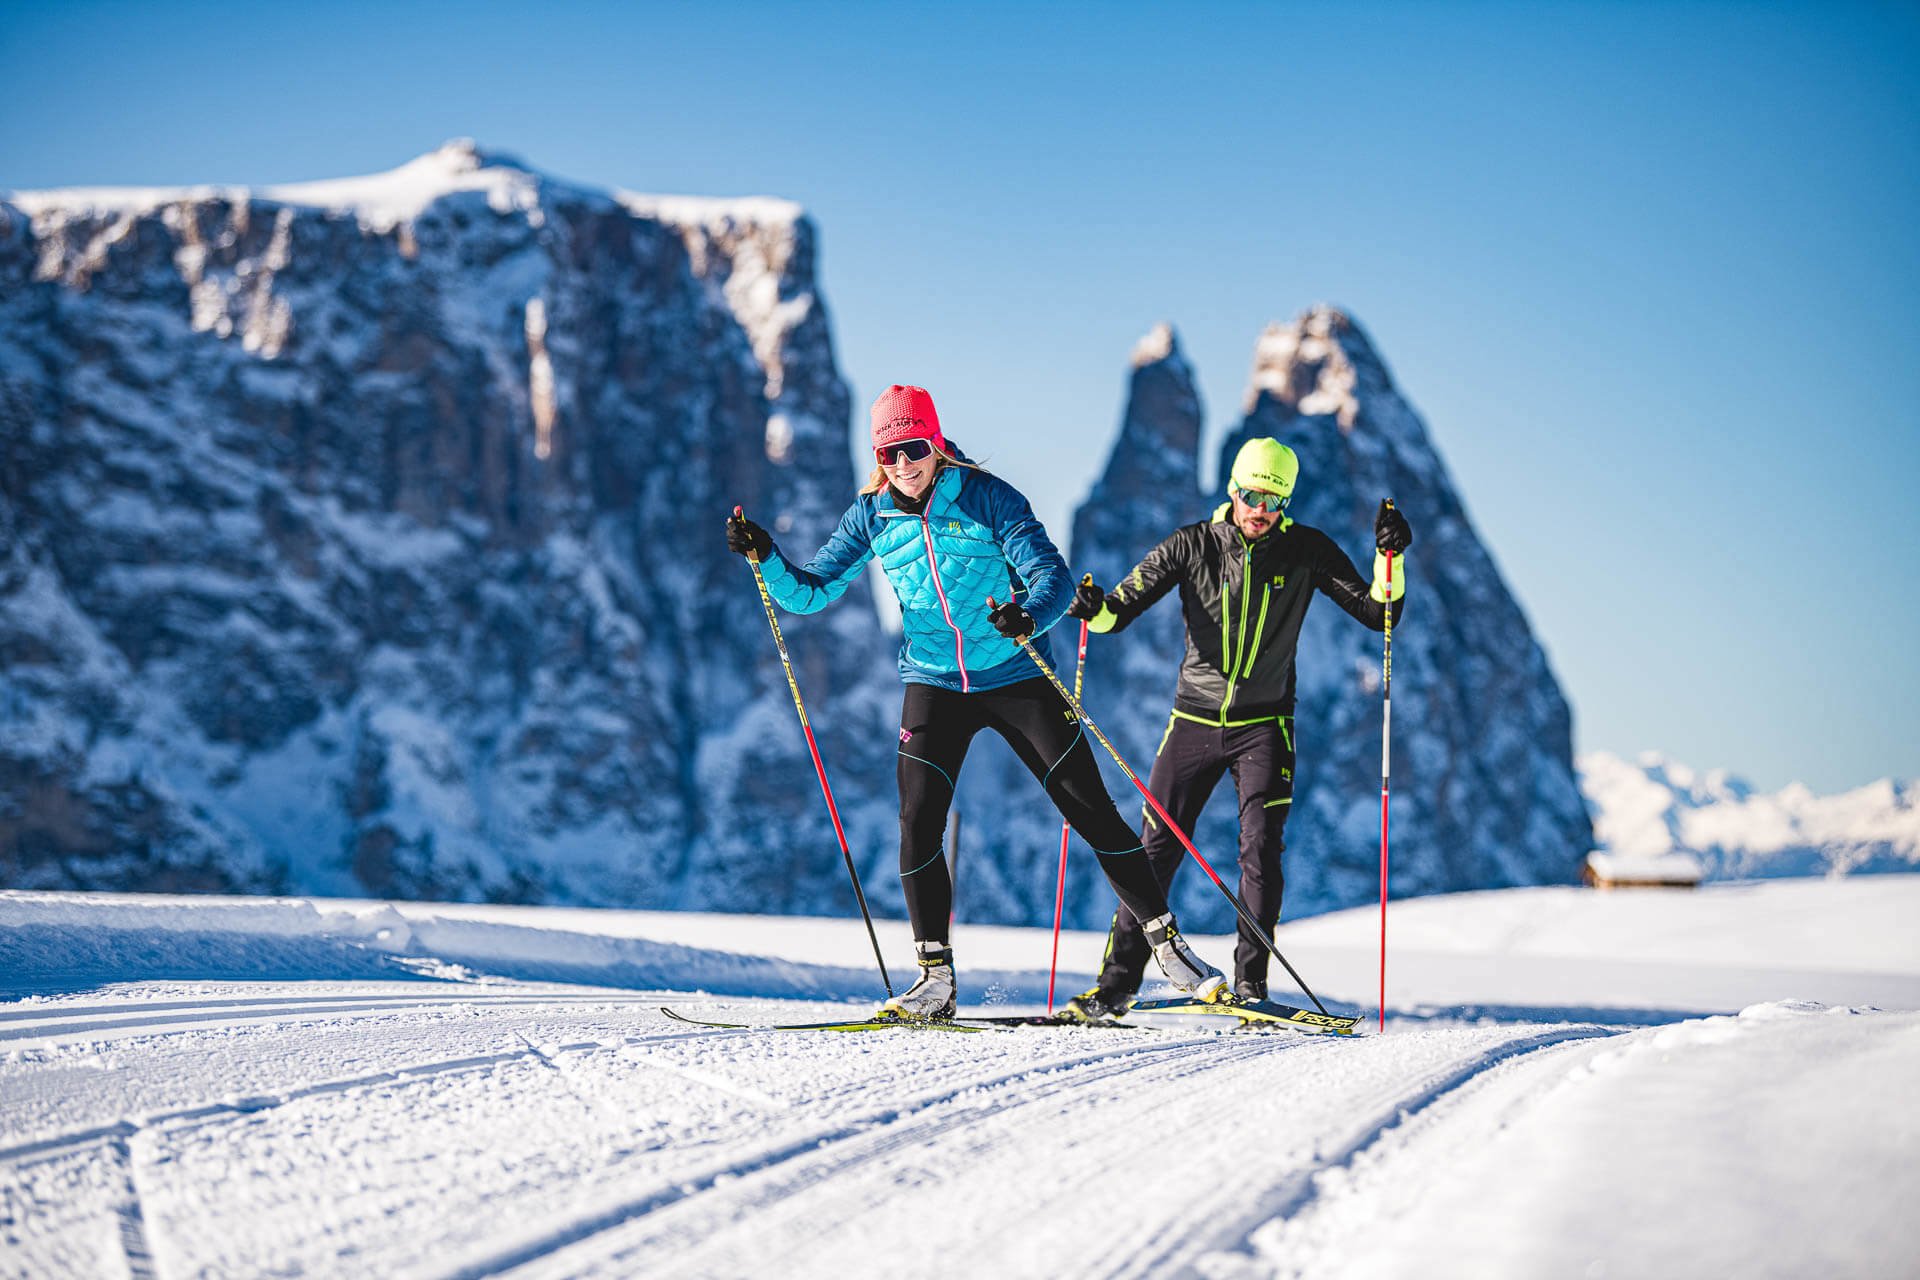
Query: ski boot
[[934, 997], [1100, 1005], [1183, 968], [1249, 991]]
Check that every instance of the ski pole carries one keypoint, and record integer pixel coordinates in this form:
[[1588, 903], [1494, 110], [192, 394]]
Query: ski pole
[[780, 643], [1246, 916], [1386, 739], [1060, 885]]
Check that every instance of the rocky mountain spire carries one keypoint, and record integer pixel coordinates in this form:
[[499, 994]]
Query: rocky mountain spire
[[1152, 473]]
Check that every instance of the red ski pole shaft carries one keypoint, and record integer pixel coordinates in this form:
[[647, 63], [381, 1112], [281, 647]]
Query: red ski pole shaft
[[1386, 753], [819, 769], [1060, 884], [1246, 915]]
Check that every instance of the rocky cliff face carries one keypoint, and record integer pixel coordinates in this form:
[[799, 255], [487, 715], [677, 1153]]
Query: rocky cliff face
[[363, 537]]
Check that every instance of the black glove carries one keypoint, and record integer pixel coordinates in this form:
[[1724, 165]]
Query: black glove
[[745, 538], [1391, 532], [1011, 621], [1088, 600]]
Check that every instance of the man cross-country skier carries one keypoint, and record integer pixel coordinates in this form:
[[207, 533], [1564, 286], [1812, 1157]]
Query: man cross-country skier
[[1245, 577]]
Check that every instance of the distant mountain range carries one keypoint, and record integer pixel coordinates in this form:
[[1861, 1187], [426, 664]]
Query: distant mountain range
[[1653, 805]]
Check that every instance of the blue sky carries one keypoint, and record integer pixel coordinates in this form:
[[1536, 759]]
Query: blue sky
[[1649, 271]]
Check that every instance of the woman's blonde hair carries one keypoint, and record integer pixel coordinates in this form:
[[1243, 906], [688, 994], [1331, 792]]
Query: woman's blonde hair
[[878, 480]]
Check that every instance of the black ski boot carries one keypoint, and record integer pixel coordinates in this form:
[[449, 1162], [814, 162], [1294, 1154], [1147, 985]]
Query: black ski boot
[[1096, 1006]]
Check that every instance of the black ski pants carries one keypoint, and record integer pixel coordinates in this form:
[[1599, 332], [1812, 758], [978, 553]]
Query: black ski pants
[[936, 727], [1193, 758]]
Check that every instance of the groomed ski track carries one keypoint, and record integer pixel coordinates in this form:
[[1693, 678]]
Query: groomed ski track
[[529, 1132]]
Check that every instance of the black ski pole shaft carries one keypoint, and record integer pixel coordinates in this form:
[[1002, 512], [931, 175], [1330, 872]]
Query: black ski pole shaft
[[1060, 884], [1246, 916], [833, 811]]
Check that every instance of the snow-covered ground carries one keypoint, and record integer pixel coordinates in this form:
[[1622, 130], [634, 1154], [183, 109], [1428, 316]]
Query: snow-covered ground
[[1572, 1083]]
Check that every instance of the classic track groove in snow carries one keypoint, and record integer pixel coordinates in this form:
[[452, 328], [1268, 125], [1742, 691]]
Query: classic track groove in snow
[[133, 1225], [103, 1025], [121, 1130], [1378, 1126], [669, 1229], [1313, 1233], [116, 1011]]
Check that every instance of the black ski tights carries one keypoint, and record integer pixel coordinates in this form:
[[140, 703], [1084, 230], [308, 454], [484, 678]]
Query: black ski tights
[[936, 727], [1192, 759]]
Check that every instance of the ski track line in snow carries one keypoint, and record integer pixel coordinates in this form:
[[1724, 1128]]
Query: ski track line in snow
[[189, 1115], [548, 1056], [804, 1159], [682, 1248], [55, 1012], [1226, 1248], [107, 1027], [185, 1117], [135, 1242], [648, 1242], [1345, 1200], [765, 1101]]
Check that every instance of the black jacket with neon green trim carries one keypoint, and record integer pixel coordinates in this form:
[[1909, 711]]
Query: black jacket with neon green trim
[[1244, 604]]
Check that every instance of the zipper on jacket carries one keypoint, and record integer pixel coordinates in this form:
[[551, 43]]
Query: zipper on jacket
[[1226, 609], [1259, 630], [933, 567]]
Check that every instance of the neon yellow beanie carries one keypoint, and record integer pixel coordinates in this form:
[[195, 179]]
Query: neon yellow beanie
[[1265, 464]]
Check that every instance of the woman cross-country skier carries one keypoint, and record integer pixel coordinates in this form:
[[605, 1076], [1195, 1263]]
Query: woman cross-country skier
[[950, 538]]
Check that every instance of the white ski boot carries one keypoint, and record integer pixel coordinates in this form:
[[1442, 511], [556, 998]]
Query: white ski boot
[[935, 996], [1183, 968]]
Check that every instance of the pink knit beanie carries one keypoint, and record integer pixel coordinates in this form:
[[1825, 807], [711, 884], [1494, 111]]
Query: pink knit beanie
[[906, 413]]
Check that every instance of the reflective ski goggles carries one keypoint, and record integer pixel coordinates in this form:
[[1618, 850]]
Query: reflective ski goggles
[[1260, 501], [911, 450]]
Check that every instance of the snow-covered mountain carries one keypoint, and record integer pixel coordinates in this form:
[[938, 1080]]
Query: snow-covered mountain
[[363, 536], [1653, 806]]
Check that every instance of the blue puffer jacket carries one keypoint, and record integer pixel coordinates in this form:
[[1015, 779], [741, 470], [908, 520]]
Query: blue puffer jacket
[[977, 538]]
